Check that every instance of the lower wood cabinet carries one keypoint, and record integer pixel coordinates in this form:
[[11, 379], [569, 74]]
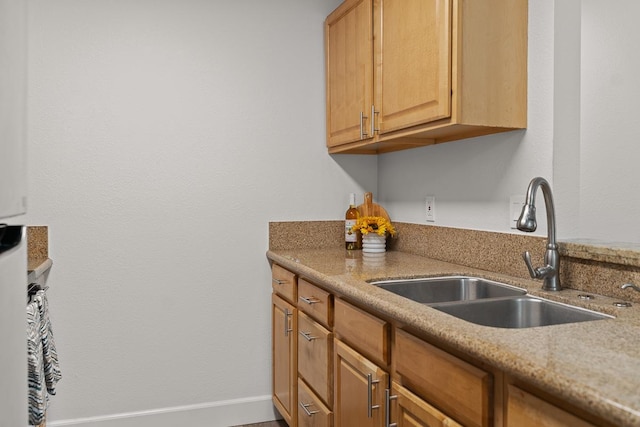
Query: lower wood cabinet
[[339, 365], [359, 389]]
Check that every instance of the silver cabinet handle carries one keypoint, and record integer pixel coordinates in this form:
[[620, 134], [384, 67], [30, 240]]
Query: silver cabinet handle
[[363, 134], [387, 409], [305, 408], [278, 281], [287, 314], [309, 300], [373, 120], [370, 405], [307, 336]]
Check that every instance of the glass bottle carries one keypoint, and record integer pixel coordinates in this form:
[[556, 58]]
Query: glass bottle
[[351, 217]]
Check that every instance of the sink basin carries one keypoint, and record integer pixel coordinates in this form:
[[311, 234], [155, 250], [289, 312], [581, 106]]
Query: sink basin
[[445, 289], [519, 312]]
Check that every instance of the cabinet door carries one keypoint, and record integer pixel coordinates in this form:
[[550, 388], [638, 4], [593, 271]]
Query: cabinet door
[[359, 389], [411, 411], [284, 347], [349, 62], [414, 78], [527, 410]]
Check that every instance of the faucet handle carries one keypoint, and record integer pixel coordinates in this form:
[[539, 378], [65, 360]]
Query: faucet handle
[[527, 260]]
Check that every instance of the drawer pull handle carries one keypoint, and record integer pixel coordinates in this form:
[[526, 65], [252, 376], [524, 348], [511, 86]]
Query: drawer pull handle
[[307, 336], [387, 410], [370, 405], [287, 314], [305, 408], [278, 281], [310, 300]]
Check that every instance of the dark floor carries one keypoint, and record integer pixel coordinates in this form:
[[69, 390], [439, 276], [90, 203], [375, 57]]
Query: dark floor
[[267, 424]]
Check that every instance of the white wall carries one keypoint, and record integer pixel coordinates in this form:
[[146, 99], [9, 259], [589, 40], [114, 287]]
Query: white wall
[[610, 205], [164, 136]]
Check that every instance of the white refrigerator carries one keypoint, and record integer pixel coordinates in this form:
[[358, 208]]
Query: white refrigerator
[[13, 324], [13, 251]]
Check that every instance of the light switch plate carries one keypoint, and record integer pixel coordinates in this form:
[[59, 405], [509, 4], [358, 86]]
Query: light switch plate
[[431, 208]]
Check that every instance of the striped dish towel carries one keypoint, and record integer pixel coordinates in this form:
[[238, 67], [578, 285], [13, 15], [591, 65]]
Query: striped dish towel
[[43, 367], [52, 372], [38, 398]]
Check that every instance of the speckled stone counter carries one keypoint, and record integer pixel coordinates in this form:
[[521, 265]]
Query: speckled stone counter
[[592, 365], [38, 261]]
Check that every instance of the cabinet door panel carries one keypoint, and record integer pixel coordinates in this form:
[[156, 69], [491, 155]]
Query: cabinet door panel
[[415, 72], [284, 348], [352, 389], [349, 62]]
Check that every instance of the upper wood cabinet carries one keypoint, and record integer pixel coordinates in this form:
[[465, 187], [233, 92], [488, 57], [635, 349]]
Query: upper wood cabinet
[[349, 50], [407, 73]]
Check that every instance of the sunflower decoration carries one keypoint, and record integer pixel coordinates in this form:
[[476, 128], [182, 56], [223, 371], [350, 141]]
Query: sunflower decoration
[[374, 224]]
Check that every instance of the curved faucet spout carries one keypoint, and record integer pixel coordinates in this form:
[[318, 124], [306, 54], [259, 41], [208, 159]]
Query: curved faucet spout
[[527, 222]]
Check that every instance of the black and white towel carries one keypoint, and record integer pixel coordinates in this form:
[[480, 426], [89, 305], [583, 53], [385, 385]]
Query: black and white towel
[[43, 367]]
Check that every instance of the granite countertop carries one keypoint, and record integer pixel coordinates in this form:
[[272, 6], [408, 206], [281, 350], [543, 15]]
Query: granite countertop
[[592, 365]]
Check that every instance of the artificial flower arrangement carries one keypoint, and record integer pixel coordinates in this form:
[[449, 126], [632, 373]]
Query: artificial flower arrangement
[[374, 224]]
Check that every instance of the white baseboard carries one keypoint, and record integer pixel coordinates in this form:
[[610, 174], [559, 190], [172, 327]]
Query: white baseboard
[[215, 414]]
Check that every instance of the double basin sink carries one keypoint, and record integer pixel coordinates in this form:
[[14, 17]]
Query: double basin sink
[[486, 302]]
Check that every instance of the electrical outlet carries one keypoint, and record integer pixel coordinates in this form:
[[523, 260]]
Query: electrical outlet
[[515, 209], [431, 209]]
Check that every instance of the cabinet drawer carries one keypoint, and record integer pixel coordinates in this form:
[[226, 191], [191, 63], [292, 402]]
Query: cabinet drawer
[[410, 410], [311, 411], [363, 331], [526, 410], [316, 302], [315, 350], [284, 283], [459, 389]]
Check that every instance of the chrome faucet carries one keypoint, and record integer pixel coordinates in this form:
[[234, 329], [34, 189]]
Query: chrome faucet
[[630, 285], [527, 222]]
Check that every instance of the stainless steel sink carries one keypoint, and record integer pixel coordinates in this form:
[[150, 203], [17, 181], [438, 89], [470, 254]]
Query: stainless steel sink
[[519, 312], [450, 288], [486, 302]]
